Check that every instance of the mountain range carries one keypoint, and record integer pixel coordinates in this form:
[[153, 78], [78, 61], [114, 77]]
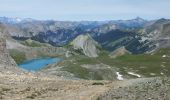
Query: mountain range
[[101, 60], [136, 34]]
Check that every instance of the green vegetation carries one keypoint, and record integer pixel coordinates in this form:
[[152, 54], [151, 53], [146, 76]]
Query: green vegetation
[[118, 41], [32, 43], [73, 66], [18, 56], [77, 71], [42, 54], [144, 64], [97, 83], [147, 63]]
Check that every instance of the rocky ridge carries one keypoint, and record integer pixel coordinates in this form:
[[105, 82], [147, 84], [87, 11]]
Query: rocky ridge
[[4, 54], [119, 52], [86, 45]]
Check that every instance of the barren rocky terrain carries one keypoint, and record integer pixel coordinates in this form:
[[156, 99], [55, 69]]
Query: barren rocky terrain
[[27, 86], [20, 85]]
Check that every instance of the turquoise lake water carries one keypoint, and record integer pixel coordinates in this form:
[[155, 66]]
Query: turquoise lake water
[[37, 64]]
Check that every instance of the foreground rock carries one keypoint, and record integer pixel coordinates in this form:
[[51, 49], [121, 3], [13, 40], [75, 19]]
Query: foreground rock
[[139, 89], [26, 86]]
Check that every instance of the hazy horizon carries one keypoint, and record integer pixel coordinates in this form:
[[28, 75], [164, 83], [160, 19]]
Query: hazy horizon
[[85, 10], [78, 20]]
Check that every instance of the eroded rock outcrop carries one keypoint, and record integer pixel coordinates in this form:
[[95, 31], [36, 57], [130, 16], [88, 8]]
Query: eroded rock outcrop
[[119, 52], [5, 58], [87, 45]]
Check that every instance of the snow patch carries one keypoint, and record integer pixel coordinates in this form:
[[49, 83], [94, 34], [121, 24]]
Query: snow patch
[[164, 56], [119, 76], [137, 75], [162, 73], [143, 39], [163, 66], [67, 54], [153, 74], [18, 19]]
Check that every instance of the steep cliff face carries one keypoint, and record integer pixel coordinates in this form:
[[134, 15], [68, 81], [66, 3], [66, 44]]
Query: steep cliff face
[[5, 58], [4, 31], [86, 45], [157, 34]]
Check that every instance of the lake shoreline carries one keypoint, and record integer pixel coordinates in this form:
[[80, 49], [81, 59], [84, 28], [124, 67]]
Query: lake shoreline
[[37, 64]]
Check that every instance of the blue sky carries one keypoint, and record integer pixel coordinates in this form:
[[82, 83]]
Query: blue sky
[[85, 9]]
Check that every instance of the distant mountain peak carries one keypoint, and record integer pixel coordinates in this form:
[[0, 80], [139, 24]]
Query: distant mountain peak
[[139, 19], [14, 20], [162, 20]]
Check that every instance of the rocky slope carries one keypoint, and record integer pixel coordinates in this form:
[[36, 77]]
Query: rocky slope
[[119, 52], [140, 89], [18, 85], [28, 49], [86, 45], [29, 86], [157, 34], [5, 58]]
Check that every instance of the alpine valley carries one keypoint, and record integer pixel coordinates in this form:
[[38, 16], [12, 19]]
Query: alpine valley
[[99, 60]]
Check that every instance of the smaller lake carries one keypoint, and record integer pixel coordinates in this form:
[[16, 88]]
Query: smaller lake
[[37, 64]]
